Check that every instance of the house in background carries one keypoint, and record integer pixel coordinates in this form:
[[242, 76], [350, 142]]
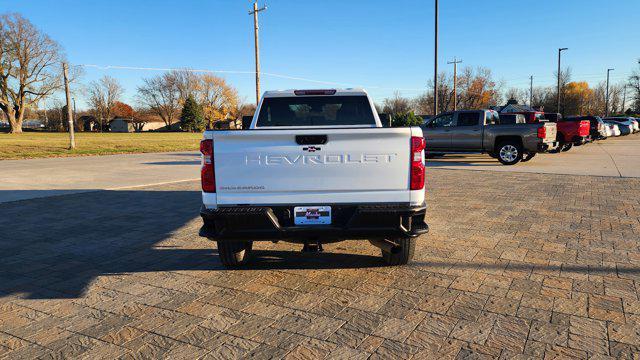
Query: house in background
[[512, 106], [153, 122], [121, 125]]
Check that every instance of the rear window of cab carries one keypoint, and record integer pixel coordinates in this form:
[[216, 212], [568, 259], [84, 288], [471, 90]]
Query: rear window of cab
[[315, 111]]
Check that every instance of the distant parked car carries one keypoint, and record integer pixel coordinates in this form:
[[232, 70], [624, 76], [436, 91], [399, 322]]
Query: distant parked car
[[608, 131], [615, 129], [624, 123], [598, 129], [506, 118], [620, 128]]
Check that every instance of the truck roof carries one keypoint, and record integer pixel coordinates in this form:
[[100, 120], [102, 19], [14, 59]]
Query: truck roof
[[301, 92]]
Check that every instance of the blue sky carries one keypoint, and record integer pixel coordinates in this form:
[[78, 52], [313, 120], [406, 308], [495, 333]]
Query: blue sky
[[381, 45]]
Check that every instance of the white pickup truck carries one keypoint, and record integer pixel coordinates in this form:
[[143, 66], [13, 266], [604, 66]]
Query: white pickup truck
[[314, 167]]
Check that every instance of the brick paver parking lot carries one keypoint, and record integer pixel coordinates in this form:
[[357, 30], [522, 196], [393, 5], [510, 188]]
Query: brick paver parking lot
[[516, 266]]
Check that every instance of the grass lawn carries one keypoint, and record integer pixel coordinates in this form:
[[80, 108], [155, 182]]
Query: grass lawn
[[40, 144]]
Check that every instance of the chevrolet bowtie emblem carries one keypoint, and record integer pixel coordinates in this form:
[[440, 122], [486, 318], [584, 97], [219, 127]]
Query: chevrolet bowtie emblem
[[311, 148]]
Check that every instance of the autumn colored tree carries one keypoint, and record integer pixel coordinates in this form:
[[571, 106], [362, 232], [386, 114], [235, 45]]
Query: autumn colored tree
[[577, 96], [122, 110], [103, 94], [219, 100], [161, 94]]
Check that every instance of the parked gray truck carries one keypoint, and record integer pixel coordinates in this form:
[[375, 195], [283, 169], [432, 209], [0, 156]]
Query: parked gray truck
[[480, 131]]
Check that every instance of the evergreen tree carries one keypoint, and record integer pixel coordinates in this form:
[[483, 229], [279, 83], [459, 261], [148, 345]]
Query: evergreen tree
[[192, 117], [406, 119]]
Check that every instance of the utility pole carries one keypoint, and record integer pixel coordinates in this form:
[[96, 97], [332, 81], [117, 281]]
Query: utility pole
[[606, 100], [455, 63], [72, 139], [435, 65], [559, 74], [74, 108], [531, 91], [255, 12]]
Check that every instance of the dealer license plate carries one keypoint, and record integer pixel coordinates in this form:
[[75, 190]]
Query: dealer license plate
[[312, 215]]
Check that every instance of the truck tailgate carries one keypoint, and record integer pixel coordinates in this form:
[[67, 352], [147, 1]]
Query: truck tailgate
[[355, 165], [551, 131]]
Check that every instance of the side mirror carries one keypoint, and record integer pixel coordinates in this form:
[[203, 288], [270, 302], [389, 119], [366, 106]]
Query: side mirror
[[246, 122]]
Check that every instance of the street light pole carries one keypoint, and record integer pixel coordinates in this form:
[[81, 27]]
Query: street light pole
[[435, 64], [558, 94], [606, 101]]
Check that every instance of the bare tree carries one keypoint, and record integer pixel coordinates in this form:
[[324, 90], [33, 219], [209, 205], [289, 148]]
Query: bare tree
[[633, 85], [187, 83], [103, 95], [396, 104], [29, 67], [519, 95], [161, 95], [140, 118]]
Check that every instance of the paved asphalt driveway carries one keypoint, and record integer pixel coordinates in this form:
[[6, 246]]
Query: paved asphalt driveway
[[517, 265], [33, 178]]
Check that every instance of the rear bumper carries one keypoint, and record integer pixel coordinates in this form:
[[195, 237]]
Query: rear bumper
[[368, 221], [582, 140]]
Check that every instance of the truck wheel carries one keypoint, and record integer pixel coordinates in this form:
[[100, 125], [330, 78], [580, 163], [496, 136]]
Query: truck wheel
[[566, 147], [407, 247], [234, 253], [528, 156], [509, 152]]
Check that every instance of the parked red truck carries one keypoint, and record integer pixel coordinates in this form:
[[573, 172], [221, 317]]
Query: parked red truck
[[569, 132]]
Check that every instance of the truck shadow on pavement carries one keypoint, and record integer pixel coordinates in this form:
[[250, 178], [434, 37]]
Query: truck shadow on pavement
[[56, 247]]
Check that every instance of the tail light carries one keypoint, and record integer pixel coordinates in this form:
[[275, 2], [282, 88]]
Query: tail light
[[542, 132], [207, 172], [417, 163], [585, 126]]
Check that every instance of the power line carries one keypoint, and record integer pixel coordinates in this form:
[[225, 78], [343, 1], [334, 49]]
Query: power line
[[242, 72]]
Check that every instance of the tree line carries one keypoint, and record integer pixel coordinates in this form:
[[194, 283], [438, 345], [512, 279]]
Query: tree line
[[476, 89]]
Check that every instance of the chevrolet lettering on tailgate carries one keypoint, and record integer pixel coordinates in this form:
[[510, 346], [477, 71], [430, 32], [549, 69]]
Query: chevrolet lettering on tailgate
[[273, 159]]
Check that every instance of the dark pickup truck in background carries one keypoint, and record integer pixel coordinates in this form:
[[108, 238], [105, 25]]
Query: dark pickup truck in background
[[480, 131]]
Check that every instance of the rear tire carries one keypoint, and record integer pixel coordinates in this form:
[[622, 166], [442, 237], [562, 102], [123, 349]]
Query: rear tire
[[528, 156], [234, 253], [566, 147], [407, 247], [509, 152]]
